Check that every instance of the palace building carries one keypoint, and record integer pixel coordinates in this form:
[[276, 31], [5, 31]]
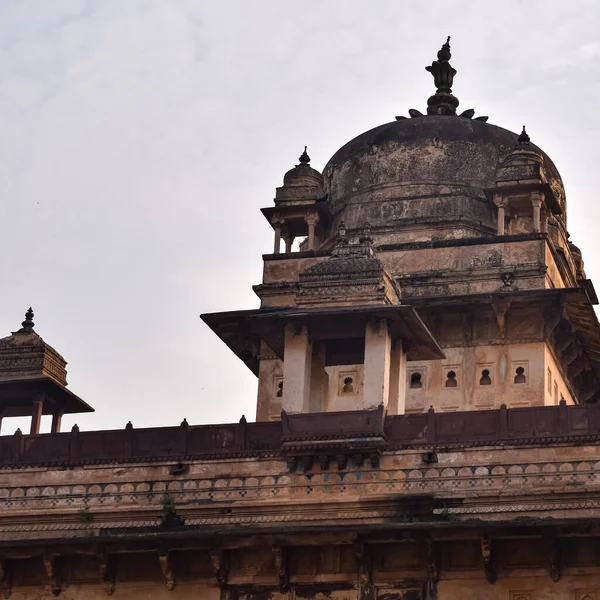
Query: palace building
[[428, 363]]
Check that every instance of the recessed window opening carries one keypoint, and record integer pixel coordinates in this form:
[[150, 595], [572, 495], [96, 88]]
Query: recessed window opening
[[415, 380], [348, 387], [485, 377], [451, 380], [520, 375], [549, 381], [279, 393]]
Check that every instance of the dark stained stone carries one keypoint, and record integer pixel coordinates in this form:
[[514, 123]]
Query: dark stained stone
[[418, 157]]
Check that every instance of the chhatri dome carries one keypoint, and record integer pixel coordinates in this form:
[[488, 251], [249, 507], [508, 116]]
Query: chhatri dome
[[444, 158]]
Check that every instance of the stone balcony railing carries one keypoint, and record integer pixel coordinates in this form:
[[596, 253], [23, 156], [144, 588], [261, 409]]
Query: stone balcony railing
[[309, 438]]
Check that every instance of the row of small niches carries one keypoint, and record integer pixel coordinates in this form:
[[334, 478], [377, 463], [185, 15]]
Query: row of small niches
[[347, 386], [451, 377]]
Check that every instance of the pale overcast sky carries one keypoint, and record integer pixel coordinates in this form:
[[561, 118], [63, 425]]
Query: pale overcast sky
[[140, 138]]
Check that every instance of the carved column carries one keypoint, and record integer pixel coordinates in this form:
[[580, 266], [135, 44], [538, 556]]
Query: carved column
[[501, 204], [536, 201], [296, 368], [377, 363], [311, 221], [277, 247], [288, 243]]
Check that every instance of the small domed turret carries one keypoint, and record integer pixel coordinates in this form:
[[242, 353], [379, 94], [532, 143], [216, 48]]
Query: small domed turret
[[299, 210], [301, 185]]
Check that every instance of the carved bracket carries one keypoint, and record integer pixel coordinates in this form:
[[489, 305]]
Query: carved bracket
[[500, 309], [365, 571], [167, 569], [488, 559], [220, 563], [431, 559], [554, 558], [5, 579], [106, 568], [281, 566], [52, 571]]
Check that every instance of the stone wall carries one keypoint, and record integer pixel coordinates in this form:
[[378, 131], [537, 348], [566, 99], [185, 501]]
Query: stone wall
[[504, 382], [438, 521]]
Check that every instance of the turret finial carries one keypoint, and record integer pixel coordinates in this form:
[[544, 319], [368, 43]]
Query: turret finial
[[366, 237], [304, 157], [28, 324], [442, 102], [342, 239], [444, 51], [523, 137]]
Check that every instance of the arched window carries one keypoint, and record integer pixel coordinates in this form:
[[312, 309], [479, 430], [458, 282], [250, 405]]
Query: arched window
[[348, 387], [415, 380], [451, 380], [520, 375], [485, 378]]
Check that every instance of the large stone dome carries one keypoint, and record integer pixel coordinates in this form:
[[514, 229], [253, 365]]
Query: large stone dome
[[422, 158]]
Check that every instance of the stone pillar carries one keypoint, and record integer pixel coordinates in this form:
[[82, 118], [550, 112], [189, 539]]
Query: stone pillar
[[288, 243], [501, 219], [297, 358], [56, 421], [536, 201], [311, 221], [501, 204], [396, 402], [277, 248], [36, 415], [377, 363], [270, 372], [319, 381]]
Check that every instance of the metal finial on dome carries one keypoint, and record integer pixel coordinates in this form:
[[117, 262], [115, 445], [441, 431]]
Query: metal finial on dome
[[304, 157], [442, 102], [444, 51], [523, 137], [28, 324]]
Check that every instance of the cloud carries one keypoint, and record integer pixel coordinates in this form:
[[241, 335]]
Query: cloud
[[589, 51]]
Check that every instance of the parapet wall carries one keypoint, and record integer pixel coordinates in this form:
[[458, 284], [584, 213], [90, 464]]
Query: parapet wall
[[297, 436]]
